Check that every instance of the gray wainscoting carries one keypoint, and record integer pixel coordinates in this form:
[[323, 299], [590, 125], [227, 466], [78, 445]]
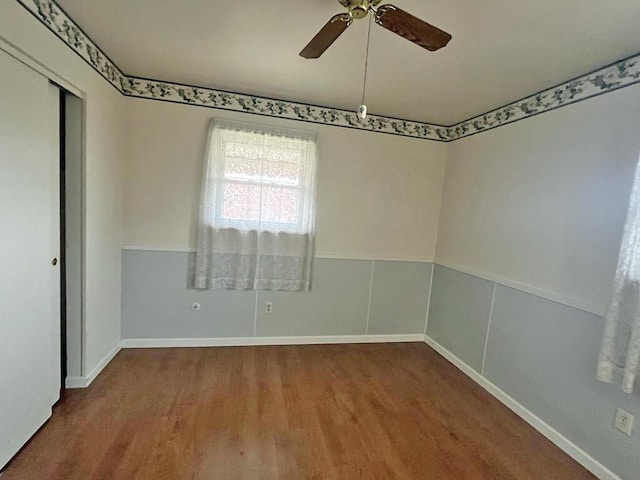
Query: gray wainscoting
[[541, 353], [336, 305], [459, 314], [394, 293], [349, 297]]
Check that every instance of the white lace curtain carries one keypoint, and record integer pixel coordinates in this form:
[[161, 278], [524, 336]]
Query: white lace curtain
[[257, 212], [619, 360]]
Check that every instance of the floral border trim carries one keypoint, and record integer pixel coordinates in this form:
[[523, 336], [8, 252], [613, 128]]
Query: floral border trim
[[623, 73], [207, 97], [54, 18], [615, 76]]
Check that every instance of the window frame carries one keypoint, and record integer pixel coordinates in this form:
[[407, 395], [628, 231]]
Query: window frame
[[306, 178]]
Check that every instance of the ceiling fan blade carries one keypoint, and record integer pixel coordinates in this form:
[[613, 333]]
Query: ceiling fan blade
[[412, 28], [327, 35]]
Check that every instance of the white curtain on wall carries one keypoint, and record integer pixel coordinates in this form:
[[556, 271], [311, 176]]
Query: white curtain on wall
[[619, 360], [257, 212]]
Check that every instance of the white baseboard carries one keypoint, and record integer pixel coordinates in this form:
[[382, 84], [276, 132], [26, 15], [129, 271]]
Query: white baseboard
[[76, 382], [566, 445], [251, 341], [570, 448], [85, 381]]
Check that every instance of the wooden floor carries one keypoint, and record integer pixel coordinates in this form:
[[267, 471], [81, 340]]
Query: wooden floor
[[295, 412]]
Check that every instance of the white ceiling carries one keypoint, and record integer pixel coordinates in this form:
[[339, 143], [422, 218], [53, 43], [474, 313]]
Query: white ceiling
[[501, 50]]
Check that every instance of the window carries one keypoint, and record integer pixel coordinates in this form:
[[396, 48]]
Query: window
[[257, 215], [263, 180]]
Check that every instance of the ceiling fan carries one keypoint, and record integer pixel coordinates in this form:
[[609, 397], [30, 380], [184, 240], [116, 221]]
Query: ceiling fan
[[389, 16]]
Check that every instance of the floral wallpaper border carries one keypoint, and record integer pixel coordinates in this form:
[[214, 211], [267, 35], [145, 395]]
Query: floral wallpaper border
[[54, 18], [207, 97], [620, 74]]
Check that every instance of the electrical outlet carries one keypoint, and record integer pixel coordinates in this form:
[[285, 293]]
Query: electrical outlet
[[268, 307], [624, 421], [195, 307]]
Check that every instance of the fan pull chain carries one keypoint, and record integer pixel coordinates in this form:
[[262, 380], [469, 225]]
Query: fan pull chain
[[362, 110]]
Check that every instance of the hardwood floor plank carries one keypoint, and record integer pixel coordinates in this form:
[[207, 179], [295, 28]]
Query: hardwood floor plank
[[388, 411]]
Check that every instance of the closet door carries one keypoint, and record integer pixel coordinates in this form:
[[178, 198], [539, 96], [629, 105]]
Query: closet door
[[29, 243]]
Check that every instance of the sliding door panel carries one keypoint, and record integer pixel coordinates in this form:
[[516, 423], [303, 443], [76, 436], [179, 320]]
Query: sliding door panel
[[29, 253]]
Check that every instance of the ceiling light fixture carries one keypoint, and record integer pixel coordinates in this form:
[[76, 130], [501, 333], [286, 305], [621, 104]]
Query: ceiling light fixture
[[362, 110]]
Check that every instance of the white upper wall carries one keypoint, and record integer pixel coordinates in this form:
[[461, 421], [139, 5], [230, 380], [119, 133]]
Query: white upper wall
[[542, 202], [378, 195], [104, 154]]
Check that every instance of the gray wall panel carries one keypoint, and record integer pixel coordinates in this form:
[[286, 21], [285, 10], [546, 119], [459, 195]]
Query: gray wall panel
[[157, 295], [544, 354], [156, 301], [336, 305], [459, 314], [400, 293]]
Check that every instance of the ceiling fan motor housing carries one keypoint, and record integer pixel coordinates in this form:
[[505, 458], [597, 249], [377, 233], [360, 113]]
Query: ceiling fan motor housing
[[359, 8], [390, 17], [360, 11]]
